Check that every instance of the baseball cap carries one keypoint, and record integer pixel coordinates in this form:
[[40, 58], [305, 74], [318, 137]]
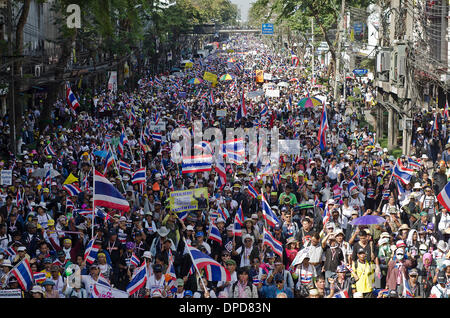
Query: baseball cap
[[180, 282], [189, 228], [361, 250], [199, 234], [441, 279], [278, 278]]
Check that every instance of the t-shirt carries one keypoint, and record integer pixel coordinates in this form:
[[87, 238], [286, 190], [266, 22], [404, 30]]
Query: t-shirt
[[366, 274]]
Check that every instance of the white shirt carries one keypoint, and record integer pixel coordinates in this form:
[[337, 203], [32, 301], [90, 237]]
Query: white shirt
[[333, 172], [153, 283]]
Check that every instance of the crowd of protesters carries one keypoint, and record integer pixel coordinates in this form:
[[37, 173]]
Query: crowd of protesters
[[324, 255]]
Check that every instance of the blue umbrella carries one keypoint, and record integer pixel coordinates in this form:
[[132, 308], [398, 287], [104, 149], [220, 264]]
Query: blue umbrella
[[367, 220]]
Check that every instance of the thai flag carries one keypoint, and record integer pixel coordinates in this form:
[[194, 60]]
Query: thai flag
[[264, 111], [237, 228], [402, 173], [444, 197], [386, 193], [221, 174], [85, 183], [255, 280], [341, 294], [252, 191], [72, 189], [23, 274], [171, 277], [147, 133], [211, 98], [290, 101], [108, 137], [139, 279], [48, 179], [71, 99], [102, 214], [122, 142], [106, 195], [223, 212], [232, 86], [236, 158], [407, 293], [195, 164], [268, 214], [156, 118], [11, 252], [266, 170], [170, 185], [205, 146], [400, 188], [414, 164], [156, 136], [294, 60], [49, 150], [435, 123], [139, 176], [234, 145], [125, 166], [109, 160], [214, 233], [242, 110], [446, 115], [19, 199], [69, 204], [240, 216], [215, 271], [134, 260], [158, 81], [272, 242], [352, 185], [322, 129], [39, 277], [90, 254], [326, 215]]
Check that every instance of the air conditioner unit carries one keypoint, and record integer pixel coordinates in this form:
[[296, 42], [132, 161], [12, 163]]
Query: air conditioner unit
[[401, 61], [37, 71]]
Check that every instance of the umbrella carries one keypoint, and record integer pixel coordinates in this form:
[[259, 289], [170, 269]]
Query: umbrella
[[231, 60], [41, 172], [283, 84], [367, 220], [227, 77], [195, 80], [309, 102]]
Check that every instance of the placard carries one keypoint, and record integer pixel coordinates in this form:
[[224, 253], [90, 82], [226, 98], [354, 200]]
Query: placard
[[6, 177], [11, 293], [289, 147], [259, 76], [267, 76], [102, 291], [221, 113], [161, 126], [273, 93], [185, 200]]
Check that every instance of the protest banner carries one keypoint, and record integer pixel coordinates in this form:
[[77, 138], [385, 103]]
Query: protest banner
[[187, 200]]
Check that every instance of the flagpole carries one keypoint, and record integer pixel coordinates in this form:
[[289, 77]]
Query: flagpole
[[193, 263], [115, 165], [93, 199]]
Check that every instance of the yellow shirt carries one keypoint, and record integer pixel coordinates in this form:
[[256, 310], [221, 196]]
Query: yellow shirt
[[366, 274]]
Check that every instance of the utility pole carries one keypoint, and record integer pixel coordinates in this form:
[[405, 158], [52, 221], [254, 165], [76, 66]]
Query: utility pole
[[11, 88], [312, 49], [338, 55]]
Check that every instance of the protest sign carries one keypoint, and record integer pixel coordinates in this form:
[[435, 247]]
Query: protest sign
[[187, 200]]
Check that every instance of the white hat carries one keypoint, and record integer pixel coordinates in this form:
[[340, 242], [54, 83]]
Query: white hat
[[21, 249], [7, 262], [383, 241], [147, 254], [163, 231], [122, 218], [37, 289], [189, 228], [443, 246], [158, 176], [248, 236], [219, 219], [424, 156], [417, 186]]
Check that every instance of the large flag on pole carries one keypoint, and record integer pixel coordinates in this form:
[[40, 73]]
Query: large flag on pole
[[323, 128], [106, 195]]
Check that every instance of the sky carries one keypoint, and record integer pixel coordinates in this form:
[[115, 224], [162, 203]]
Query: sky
[[244, 6]]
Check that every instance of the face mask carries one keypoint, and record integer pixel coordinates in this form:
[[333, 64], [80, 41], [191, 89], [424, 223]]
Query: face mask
[[400, 256]]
